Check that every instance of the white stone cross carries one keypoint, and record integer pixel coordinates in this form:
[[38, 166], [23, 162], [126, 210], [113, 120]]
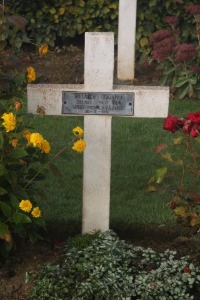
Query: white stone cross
[[126, 39], [98, 77]]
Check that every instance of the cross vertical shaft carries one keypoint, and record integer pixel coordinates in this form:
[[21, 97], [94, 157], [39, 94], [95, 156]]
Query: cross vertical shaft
[[98, 76]]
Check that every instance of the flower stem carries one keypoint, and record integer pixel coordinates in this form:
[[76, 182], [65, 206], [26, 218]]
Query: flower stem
[[56, 155]]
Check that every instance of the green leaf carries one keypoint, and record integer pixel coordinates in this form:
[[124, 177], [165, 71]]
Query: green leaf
[[160, 174], [152, 3], [169, 71], [20, 193], [106, 10], [167, 156], [197, 139], [193, 80], [12, 178], [26, 278], [143, 41], [113, 5], [164, 80], [183, 92], [54, 169], [180, 82], [2, 45], [5, 208], [40, 222], [178, 140], [3, 191], [151, 189], [21, 218], [1, 140], [191, 90], [17, 153], [197, 86], [14, 201], [151, 180], [3, 228], [2, 170]]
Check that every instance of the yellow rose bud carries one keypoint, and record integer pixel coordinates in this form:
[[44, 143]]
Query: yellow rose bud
[[31, 76], [61, 11], [15, 143], [43, 50], [17, 104]]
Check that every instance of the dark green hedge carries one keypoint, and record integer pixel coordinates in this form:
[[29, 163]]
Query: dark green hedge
[[50, 20]]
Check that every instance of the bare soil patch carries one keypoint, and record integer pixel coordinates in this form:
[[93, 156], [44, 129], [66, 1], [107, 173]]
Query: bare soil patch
[[66, 65]]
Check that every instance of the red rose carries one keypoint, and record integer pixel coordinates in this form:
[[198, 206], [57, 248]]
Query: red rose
[[170, 123], [194, 117], [194, 132]]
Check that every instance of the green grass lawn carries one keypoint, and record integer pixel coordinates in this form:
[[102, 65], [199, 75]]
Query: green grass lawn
[[133, 163]]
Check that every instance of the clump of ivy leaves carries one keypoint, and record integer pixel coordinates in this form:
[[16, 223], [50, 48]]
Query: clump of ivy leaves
[[101, 266]]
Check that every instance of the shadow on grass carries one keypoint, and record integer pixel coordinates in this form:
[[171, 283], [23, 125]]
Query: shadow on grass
[[157, 237]]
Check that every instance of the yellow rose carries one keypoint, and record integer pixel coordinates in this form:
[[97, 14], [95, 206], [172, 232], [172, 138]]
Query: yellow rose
[[78, 131], [25, 205], [45, 147], [36, 139], [79, 146], [36, 212], [31, 76], [9, 121]]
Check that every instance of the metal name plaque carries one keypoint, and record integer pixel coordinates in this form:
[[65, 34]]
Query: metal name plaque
[[97, 103]]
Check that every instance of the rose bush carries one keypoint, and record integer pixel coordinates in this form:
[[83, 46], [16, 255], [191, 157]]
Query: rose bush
[[183, 158]]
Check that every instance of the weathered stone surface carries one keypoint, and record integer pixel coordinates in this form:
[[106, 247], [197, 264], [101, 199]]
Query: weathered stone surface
[[99, 61]]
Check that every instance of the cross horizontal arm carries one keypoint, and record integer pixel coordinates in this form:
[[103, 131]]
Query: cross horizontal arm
[[149, 102]]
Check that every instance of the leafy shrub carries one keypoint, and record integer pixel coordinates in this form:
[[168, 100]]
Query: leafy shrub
[[109, 268], [179, 61]]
